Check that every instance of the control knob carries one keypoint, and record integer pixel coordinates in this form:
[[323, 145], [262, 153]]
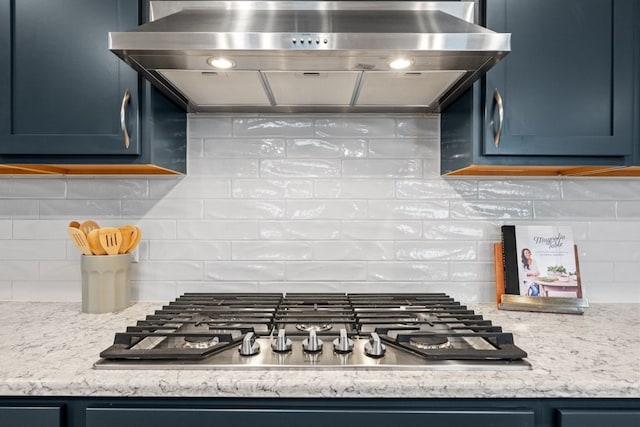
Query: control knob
[[281, 343], [249, 346], [343, 344], [374, 348], [312, 344]]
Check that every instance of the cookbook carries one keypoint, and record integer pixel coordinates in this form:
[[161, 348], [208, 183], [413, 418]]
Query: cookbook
[[540, 261]]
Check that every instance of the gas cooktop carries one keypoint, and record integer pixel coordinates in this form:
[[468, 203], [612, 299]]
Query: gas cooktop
[[313, 331]]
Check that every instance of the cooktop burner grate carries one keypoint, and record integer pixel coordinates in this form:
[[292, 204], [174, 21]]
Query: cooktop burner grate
[[313, 330]]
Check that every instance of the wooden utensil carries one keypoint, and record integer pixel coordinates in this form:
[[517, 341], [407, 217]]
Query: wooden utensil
[[129, 234], [80, 240], [110, 239], [136, 240], [88, 226], [93, 238], [74, 224]]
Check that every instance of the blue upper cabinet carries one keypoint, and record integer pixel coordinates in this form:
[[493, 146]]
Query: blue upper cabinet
[[65, 98], [562, 102], [62, 89]]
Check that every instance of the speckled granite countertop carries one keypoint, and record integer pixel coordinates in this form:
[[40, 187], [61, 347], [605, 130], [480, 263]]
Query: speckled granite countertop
[[48, 349]]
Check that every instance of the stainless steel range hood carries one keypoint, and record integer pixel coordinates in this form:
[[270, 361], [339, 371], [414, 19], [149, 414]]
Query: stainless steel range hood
[[308, 56]]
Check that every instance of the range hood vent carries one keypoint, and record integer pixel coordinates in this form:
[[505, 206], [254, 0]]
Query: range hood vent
[[311, 56]]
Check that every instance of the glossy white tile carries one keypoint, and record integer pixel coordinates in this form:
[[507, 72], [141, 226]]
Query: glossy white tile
[[354, 188], [296, 230], [431, 271], [326, 270], [326, 148], [108, 188], [213, 229], [354, 250], [382, 168], [190, 187], [392, 209], [203, 250], [327, 209], [381, 230], [301, 168], [244, 209], [355, 126], [244, 270], [32, 188], [417, 250], [271, 250], [272, 188], [291, 126], [243, 147]]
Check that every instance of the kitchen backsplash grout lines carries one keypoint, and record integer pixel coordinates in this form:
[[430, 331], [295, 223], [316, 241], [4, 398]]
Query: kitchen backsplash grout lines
[[313, 203]]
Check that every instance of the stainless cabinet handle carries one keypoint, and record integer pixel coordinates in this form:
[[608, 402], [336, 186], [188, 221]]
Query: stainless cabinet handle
[[498, 133], [123, 117]]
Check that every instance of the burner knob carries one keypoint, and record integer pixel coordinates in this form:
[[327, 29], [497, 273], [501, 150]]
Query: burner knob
[[249, 346], [343, 344], [281, 343], [374, 348], [312, 344]]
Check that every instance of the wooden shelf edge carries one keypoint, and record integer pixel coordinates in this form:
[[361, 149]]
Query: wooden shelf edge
[[85, 169], [525, 170]]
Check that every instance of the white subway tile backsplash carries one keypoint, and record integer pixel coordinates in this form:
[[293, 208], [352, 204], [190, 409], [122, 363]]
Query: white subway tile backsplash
[[392, 209], [432, 271], [190, 187], [227, 168], [273, 126], [381, 230], [32, 249], [356, 127], [354, 188], [417, 250], [413, 148], [326, 209], [86, 208], [167, 270], [19, 270], [419, 126], [32, 188], [110, 188], [436, 189], [628, 210], [5, 229], [60, 270], [40, 229], [319, 148], [271, 250], [296, 230], [244, 209], [519, 189], [573, 209], [199, 250], [353, 250], [163, 209], [19, 208], [318, 203], [382, 168], [244, 148], [212, 230], [244, 270], [461, 230], [601, 189], [202, 126], [613, 231], [506, 210], [299, 168], [272, 188], [326, 270]]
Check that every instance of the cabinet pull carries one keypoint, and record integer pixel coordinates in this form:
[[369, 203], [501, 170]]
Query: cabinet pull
[[123, 117], [498, 133]]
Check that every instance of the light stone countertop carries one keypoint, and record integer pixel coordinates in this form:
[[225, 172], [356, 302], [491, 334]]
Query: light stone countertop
[[48, 349]]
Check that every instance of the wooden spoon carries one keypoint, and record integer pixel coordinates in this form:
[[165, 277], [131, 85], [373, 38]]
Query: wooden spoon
[[136, 240], [88, 226], [110, 239], [80, 240], [74, 224], [129, 234], [93, 238]]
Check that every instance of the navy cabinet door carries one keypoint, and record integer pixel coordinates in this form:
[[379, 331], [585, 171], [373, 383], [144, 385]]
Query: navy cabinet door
[[567, 85], [61, 89], [598, 418], [139, 417], [31, 416]]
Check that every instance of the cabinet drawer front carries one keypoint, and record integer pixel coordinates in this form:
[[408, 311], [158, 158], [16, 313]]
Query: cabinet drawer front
[[31, 416], [161, 417], [599, 418]]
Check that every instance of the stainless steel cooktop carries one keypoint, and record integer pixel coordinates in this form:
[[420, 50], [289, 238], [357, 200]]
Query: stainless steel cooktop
[[314, 331]]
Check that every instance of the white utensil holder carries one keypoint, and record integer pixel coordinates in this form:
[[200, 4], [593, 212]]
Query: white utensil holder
[[105, 283]]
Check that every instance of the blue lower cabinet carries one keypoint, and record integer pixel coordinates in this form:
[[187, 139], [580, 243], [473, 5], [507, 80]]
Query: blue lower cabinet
[[30, 416], [598, 418], [242, 417]]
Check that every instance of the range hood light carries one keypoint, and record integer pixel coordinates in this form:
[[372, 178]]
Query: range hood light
[[221, 63], [400, 63]]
